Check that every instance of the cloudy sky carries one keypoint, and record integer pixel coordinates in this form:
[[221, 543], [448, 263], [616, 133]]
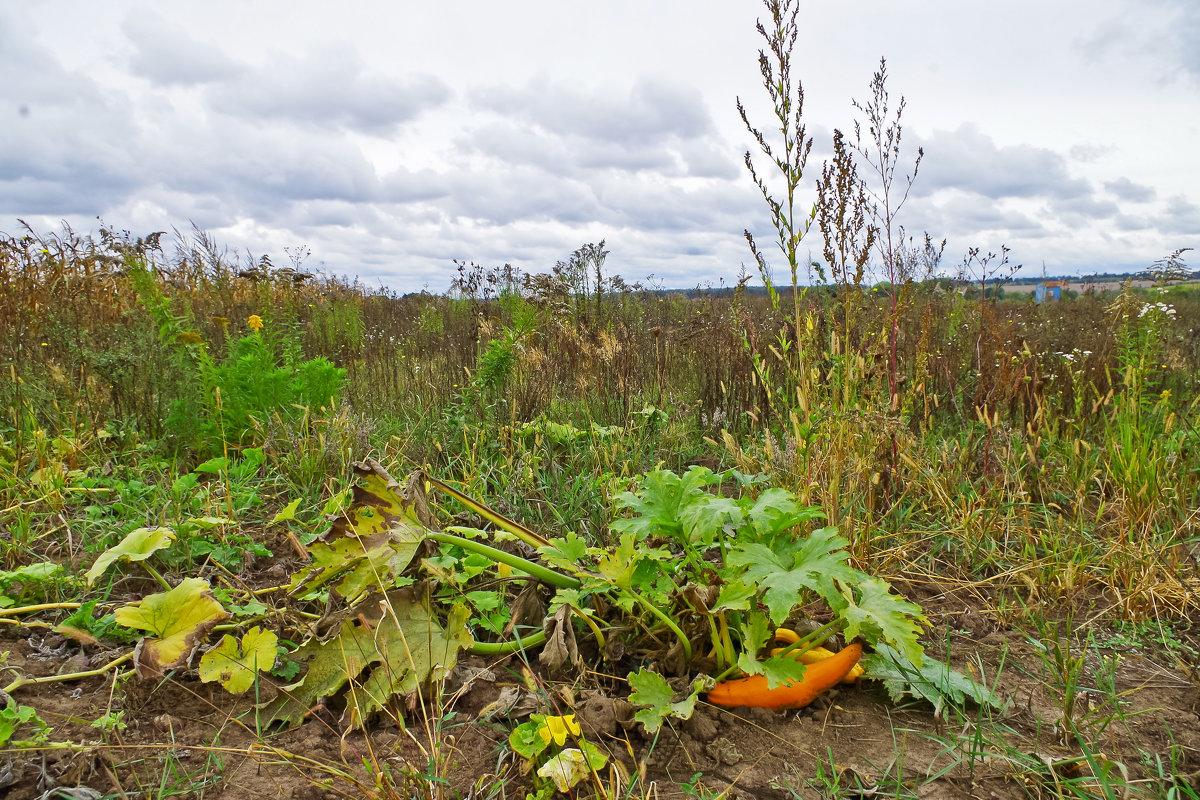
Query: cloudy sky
[[390, 138]]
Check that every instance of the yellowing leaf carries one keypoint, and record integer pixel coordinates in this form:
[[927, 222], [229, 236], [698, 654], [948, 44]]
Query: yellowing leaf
[[369, 543], [137, 545], [397, 632], [208, 523], [234, 666], [570, 766], [179, 620]]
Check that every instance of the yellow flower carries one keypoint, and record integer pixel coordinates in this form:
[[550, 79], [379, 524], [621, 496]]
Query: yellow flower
[[222, 321], [255, 322], [189, 337], [556, 728], [1165, 396]]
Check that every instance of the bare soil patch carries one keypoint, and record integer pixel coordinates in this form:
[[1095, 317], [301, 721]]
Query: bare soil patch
[[190, 739]]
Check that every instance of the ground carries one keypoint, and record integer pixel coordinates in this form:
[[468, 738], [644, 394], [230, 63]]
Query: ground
[[184, 738]]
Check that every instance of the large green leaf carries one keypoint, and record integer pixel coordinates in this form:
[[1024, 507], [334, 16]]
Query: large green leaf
[[179, 620], [668, 505], [933, 680], [872, 610], [137, 545], [394, 639], [777, 511], [791, 566], [657, 700]]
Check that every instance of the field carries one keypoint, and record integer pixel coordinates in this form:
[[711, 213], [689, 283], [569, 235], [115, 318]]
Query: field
[[899, 533], [603, 497]]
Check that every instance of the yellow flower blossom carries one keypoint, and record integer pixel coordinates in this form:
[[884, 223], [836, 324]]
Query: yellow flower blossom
[[255, 322], [557, 728], [189, 337]]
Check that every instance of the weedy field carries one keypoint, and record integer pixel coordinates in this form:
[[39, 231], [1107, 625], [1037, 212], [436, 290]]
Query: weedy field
[[270, 533]]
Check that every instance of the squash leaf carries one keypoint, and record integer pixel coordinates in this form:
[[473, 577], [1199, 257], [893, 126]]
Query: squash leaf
[[571, 766], [391, 645], [179, 620], [138, 545], [789, 567], [657, 698], [933, 680], [371, 542], [235, 666], [876, 613]]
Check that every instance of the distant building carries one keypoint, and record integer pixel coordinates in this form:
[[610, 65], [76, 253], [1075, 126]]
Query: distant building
[[1049, 290]]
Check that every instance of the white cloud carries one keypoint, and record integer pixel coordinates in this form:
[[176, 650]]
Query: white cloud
[[394, 140]]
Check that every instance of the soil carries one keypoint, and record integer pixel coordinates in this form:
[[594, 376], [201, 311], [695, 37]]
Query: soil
[[191, 739]]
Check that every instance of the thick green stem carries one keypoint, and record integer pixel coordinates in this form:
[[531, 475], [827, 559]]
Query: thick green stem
[[157, 576], [507, 648], [666, 620], [538, 571], [814, 639], [583, 615], [515, 528]]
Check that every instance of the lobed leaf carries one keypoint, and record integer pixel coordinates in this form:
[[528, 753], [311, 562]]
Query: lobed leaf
[[179, 620], [235, 666], [137, 545]]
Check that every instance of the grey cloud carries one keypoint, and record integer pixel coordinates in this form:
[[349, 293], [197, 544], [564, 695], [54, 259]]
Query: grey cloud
[[1087, 153], [406, 186], [1181, 216], [1086, 207], [649, 112], [969, 160], [568, 152], [1164, 32], [263, 168], [327, 88], [520, 193], [973, 217], [1125, 189], [710, 159], [518, 143], [657, 206], [1127, 222], [166, 55], [65, 145], [614, 155]]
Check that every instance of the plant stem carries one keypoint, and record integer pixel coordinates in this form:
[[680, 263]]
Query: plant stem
[[814, 639], [72, 676], [583, 615], [666, 620], [507, 648], [8, 612], [157, 576], [538, 571]]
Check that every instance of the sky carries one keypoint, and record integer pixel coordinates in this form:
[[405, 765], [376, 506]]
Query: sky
[[388, 139]]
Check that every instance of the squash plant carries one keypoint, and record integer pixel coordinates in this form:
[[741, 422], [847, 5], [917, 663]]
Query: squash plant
[[715, 575], [724, 573], [697, 584]]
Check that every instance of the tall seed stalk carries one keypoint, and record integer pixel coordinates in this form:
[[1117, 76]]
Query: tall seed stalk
[[775, 64]]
